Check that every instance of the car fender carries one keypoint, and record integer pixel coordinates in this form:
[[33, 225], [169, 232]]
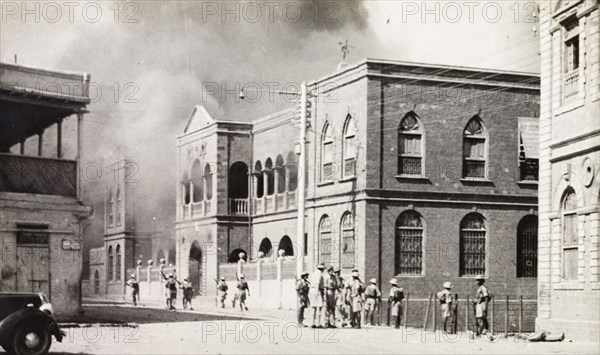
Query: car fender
[[8, 324]]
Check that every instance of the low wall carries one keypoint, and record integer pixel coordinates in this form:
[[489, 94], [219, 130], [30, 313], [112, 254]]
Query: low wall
[[272, 282]]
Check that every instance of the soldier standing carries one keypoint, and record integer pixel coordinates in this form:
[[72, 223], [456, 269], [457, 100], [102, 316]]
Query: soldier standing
[[445, 298], [481, 301], [331, 289], [188, 292], [357, 290], [243, 291], [373, 296], [222, 288], [316, 293], [171, 286], [395, 302], [302, 287], [135, 288]]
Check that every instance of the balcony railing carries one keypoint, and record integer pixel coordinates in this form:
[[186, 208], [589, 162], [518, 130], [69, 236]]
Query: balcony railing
[[238, 206], [35, 175], [571, 85]]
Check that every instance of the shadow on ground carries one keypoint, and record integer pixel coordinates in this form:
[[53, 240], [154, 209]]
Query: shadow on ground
[[116, 314]]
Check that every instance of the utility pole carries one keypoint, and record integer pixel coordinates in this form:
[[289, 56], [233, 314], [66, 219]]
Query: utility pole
[[301, 179]]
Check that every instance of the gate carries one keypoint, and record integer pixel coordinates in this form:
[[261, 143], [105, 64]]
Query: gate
[[33, 254]]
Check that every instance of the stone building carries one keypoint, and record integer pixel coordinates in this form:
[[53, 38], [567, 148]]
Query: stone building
[[41, 213], [569, 228], [130, 238], [426, 173]]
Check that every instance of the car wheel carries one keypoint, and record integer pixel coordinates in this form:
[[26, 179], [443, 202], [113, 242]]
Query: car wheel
[[31, 338]]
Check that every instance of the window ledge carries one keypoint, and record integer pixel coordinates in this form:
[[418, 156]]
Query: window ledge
[[476, 180], [411, 177], [569, 285], [472, 277], [528, 182], [347, 179], [570, 106], [410, 276], [325, 183]]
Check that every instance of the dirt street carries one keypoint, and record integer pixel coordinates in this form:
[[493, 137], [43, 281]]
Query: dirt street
[[163, 332]]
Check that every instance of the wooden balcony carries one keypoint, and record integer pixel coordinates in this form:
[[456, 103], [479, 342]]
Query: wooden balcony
[[35, 175]]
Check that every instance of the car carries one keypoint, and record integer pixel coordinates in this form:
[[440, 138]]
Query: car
[[27, 323]]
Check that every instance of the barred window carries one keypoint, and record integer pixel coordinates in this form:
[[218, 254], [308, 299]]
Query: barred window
[[119, 207], [325, 240], [570, 239], [349, 147], [196, 180], [474, 149], [409, 243], [527, 240], [110, 208], [410, 150], [110, 264], [208, 180], [472, 245], [327, 155], [347, 243], [118, 263], [185, 189]]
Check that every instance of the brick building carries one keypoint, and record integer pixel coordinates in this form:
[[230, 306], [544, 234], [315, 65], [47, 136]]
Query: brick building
[[569, 228], [41, 213], [427, 173]]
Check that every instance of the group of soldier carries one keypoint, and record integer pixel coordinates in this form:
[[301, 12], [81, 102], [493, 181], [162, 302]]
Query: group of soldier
[[171, 286], [339, 301], [334, 299]]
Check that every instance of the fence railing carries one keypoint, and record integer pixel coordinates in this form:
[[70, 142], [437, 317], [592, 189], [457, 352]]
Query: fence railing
[[571, 85]]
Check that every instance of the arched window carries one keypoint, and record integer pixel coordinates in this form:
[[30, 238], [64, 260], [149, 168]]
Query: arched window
[[119, 208], [118, 263], [472, 245], [110, 264], [349, 147], [325, 240], [527, 240], [238, 180], [280, 168], [208, 178], [197, 182], [270, 176], [570, 237], [327, 169], [292, 171], [410, 145], [110, 208], [347, 241], [286, 244], [185, 189], [266, 247], [160, 255], [409, 243], [96, 282], [474, 149], [234, 256], [172, 256], [260, 183]]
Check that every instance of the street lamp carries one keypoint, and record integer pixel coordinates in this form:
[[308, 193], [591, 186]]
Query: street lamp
[[301, 167]]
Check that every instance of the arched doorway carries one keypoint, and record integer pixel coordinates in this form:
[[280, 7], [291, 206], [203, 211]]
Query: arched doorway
[[234, 256], [195, 267], [286, 244], [96, 282]]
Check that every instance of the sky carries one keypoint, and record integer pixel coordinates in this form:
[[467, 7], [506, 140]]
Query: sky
[[151, 62]]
